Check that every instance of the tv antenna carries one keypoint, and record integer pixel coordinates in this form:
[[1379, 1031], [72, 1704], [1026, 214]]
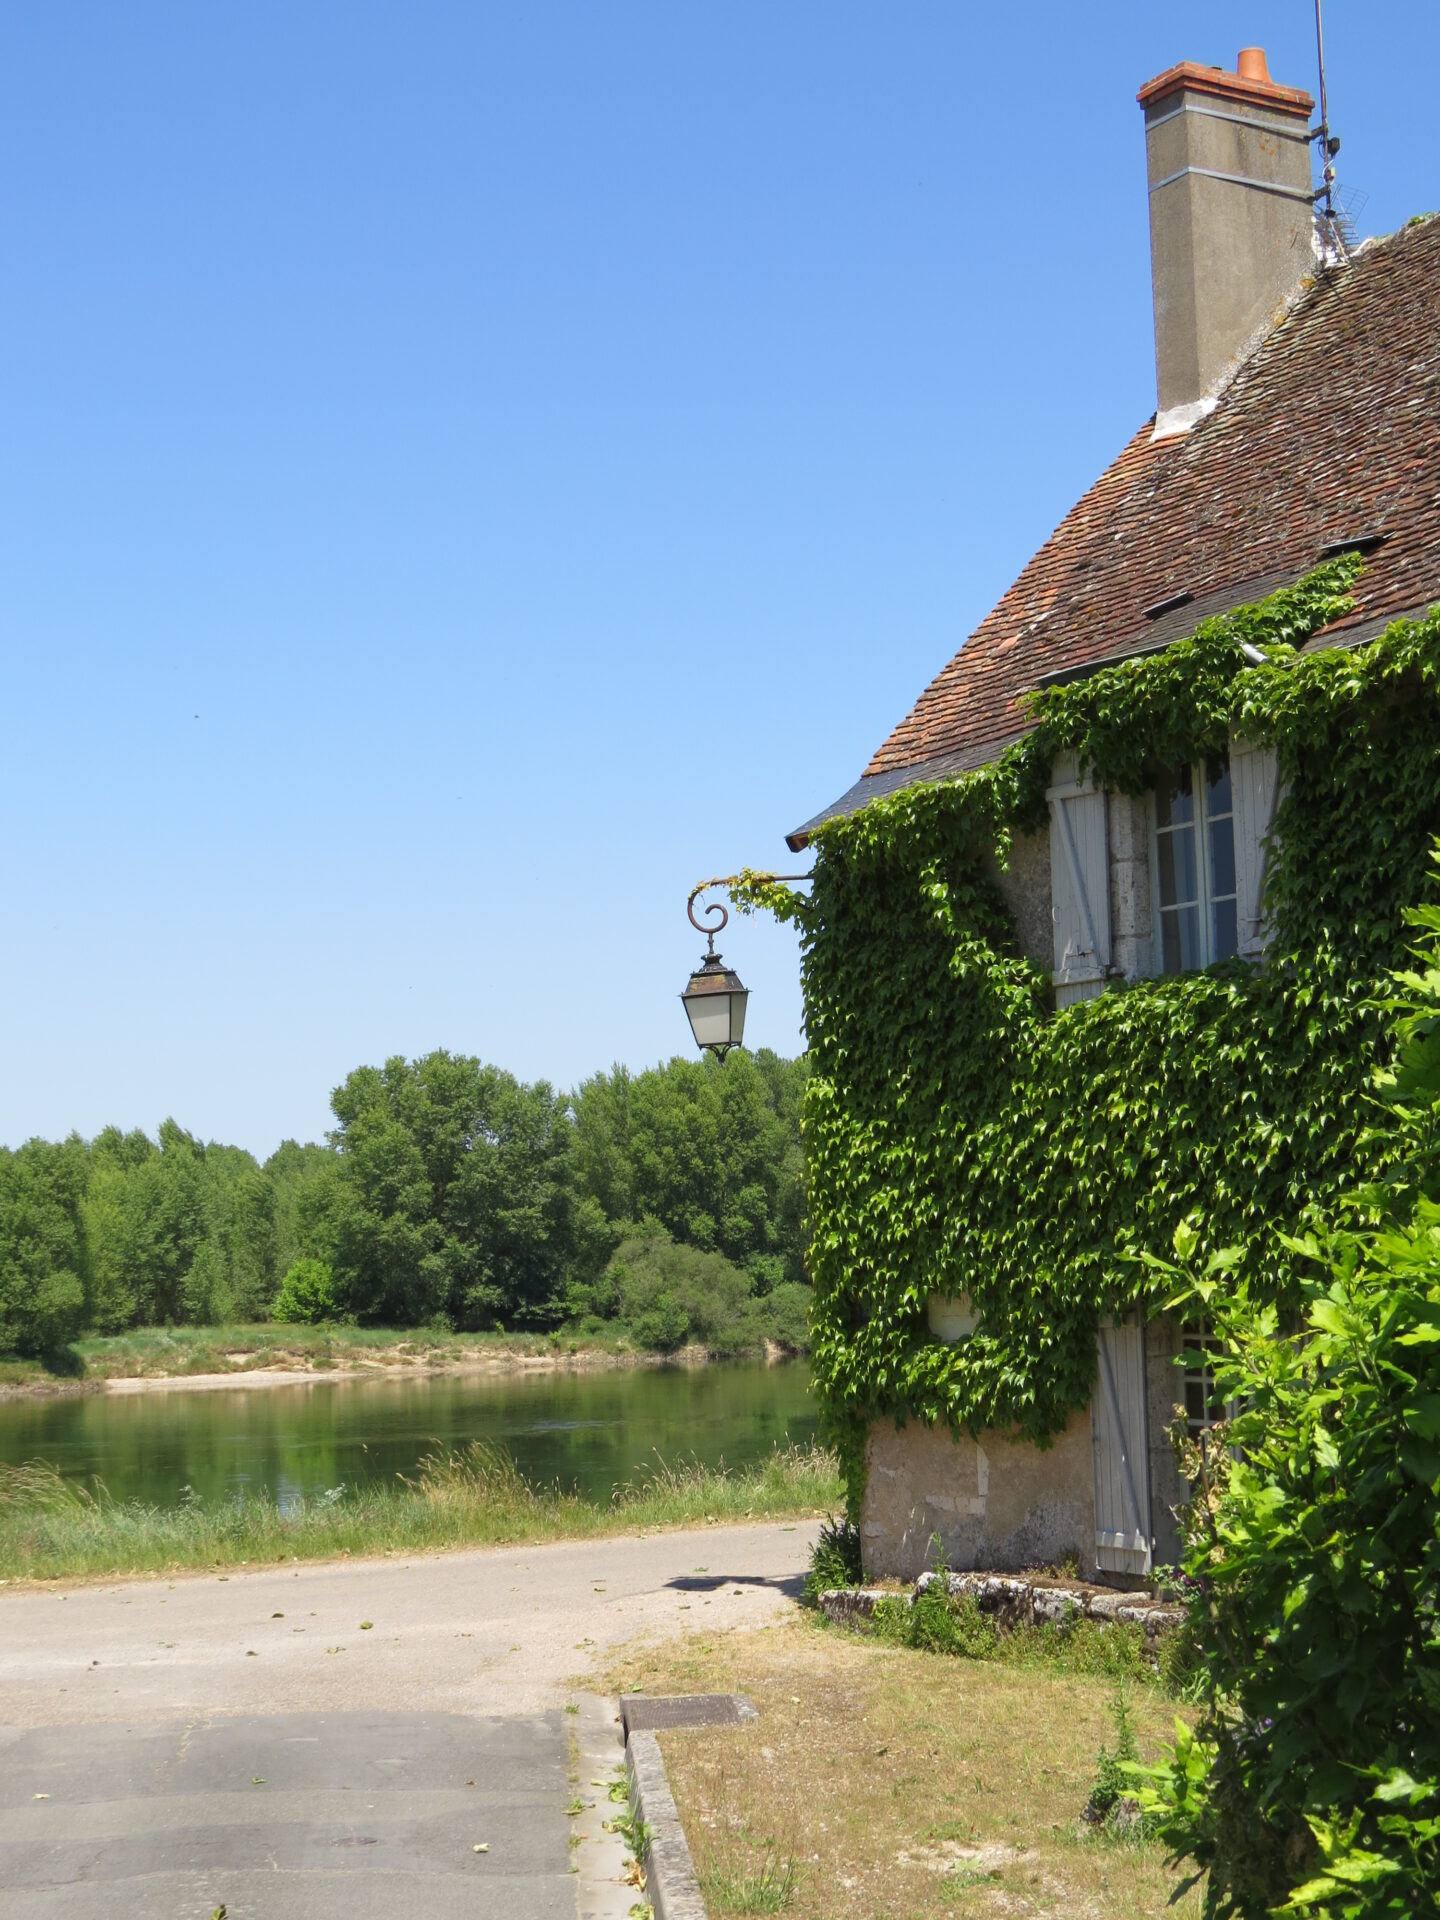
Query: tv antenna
[[1335, 221]]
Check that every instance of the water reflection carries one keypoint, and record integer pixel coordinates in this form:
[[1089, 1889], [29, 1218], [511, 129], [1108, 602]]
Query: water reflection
[[588, 1430]]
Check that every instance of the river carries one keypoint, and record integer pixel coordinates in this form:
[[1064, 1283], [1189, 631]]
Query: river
[[587, 1430]]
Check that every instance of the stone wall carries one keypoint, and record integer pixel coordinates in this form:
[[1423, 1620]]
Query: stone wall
[[1025, 888], [997, 1504], [1000, 1505]]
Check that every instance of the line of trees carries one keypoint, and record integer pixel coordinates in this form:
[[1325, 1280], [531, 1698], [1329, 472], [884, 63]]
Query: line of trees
[[449, 1194]]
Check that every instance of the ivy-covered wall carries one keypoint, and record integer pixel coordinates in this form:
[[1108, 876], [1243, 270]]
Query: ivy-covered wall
[[962, 1137]]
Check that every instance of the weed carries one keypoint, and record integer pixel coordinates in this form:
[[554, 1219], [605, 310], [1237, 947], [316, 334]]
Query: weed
[[1112, 1805], [890, 1621], [834, 1559], [965, 1877], [635, 1832], [1097, 1650], [939, 1622], [763, 1885]]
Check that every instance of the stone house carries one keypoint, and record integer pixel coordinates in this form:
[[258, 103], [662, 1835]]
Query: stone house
[[1298, 405]]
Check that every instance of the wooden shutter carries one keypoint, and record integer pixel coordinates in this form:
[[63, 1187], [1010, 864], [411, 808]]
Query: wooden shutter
[[1255, 791], [1120, 1437], [1079, 884]]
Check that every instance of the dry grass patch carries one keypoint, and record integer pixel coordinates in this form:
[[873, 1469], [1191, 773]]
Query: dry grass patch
[[882, 1784]]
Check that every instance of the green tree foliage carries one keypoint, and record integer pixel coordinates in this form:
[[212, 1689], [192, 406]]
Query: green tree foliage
[[712, 1152], [42, 1295], [307, 1295], [454, 1197], [1311, 1783], [671, 1295], [961, 1137], [304, 1181], [448, 1192]]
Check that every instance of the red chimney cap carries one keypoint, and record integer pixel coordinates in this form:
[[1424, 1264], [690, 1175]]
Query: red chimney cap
[[1250, 86]]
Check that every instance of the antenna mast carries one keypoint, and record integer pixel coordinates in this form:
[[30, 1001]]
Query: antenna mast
[[1329, 147]]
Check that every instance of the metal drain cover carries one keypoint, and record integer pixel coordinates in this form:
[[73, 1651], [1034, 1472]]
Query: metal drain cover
[[643, 1713]]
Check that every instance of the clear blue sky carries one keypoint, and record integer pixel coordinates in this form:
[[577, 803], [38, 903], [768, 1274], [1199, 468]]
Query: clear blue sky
[[470, 471]]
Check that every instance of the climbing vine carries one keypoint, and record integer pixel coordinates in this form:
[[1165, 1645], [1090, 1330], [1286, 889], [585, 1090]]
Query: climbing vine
[[963, 1138]]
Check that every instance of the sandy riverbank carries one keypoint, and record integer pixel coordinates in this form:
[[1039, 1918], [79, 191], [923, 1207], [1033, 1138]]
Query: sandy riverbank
[[585, 1361], [249, 1371]]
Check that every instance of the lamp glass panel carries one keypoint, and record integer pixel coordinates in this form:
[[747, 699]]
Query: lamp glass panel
[[737, 1016], [709, 1018]]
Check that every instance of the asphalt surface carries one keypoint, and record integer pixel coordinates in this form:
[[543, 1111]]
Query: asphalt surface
[[352, 1738], [310, 1814]]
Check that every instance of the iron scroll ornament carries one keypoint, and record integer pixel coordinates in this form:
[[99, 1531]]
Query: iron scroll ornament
[[715, 906]]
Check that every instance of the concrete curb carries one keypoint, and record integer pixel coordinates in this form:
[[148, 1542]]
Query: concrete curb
[[670, 1883]]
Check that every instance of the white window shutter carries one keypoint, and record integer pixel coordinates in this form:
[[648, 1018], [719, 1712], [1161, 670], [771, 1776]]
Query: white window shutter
[[1255, 791], [1079, 884], [1119, 1434]]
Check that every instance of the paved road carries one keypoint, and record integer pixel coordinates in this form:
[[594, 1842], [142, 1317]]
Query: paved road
[[321, 1815], [166, 1747]]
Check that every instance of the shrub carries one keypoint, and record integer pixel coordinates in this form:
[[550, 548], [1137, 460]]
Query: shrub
[[787, 1316], [834, 1559], [1311, 1782], [308, 1295], [670, 1294]]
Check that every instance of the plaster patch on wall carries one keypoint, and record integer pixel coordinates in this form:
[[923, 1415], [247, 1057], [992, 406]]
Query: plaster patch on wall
[[982, 1473]]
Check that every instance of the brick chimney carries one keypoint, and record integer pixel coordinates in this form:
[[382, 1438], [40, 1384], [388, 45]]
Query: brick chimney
[[1232, 221]]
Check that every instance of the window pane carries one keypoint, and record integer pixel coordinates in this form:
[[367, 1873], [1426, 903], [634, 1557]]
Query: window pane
[[1217, 785], [1174, 798], [1180, 938], [1200, 1408], [1223, 925], [1197, 1399], [1176, 856], [1222, 857]]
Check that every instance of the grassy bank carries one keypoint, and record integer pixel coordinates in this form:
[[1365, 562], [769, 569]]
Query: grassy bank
[[170, 1353], [51, 1528], [877, 1781]]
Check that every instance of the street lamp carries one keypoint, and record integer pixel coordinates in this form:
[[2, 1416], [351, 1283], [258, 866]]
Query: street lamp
[[714, 1000]]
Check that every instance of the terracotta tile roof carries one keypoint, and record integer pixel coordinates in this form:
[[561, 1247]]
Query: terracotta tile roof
[[1330, 430]]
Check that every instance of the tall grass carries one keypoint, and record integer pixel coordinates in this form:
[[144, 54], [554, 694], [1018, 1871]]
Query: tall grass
[[53, 1528]]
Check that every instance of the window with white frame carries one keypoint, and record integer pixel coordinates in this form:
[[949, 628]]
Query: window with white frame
[[1195, 884], [1202, 1410]]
